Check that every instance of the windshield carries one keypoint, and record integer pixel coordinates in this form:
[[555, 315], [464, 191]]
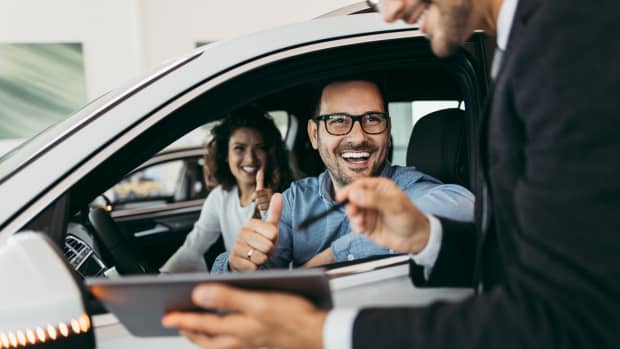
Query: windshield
[[37, 144], [48, 134]]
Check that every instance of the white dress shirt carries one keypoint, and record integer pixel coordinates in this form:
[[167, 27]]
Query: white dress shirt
[[338, 327]]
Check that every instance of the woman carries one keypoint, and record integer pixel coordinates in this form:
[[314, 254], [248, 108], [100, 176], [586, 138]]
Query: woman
[[248, 160]]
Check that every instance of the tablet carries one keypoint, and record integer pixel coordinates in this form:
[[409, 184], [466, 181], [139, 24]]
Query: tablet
[[140, 302]]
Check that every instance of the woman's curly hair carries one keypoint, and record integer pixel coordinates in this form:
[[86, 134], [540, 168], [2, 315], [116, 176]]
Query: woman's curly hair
[[278, 174]]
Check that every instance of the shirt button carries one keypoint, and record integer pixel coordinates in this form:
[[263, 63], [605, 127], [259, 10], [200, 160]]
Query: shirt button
[[350, 257]]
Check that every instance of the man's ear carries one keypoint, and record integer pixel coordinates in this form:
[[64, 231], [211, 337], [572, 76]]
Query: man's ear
[[313, 131]]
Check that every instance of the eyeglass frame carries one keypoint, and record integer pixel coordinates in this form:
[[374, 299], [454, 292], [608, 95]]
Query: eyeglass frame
[[354, 118]]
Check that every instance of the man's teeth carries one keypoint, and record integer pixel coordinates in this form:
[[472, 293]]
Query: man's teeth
[[351, 155]]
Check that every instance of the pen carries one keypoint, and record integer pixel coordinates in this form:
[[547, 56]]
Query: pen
[[312, 219]]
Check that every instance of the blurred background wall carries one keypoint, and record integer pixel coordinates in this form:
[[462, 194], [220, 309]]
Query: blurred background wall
[[55, 55]]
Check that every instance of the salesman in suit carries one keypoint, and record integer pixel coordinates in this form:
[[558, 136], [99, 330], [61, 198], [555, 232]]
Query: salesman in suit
[[545, 248]]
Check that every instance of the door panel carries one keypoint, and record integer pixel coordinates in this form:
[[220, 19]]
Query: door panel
[[161, 231], [156, 205]]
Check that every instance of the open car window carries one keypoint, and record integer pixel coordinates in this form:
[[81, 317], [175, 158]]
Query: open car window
[[153, 205], [404, 116]]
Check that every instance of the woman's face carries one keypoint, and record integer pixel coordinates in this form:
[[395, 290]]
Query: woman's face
[[246, 155]]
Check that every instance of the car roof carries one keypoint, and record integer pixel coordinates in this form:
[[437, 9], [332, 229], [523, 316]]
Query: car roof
[[29, 171], [353, 9]]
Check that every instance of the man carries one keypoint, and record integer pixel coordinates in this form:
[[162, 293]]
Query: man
[[351, 131], [548, 220]]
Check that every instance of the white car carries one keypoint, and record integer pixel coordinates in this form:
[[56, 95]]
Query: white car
[[50, 183]]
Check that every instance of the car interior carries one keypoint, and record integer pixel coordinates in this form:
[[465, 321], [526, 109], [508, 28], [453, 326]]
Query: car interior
[[433, 104]]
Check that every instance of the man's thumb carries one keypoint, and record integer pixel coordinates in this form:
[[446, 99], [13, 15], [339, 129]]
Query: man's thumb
[[275, 209]]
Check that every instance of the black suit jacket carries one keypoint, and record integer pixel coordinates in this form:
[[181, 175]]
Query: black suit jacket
[[549, 255]]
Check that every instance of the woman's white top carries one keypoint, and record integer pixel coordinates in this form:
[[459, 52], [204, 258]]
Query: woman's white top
[[221, 214]]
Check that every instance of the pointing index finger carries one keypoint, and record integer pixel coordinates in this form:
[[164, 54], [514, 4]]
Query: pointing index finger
[[260, 178]]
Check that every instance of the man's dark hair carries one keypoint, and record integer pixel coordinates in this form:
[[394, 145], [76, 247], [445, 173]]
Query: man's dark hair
[[323, 84], [278, 174]]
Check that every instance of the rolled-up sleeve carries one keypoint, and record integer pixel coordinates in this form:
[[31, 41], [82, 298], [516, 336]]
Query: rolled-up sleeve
[[450, 201], [354, 246], [220, 264]]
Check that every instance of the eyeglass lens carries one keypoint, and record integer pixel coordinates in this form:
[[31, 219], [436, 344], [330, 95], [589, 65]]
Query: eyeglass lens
[[341, 124]]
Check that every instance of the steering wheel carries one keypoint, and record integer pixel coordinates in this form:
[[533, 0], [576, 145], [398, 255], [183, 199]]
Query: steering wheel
[[126, 260]]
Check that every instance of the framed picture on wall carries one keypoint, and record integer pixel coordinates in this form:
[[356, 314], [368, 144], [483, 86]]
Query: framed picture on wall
[[40, 84]]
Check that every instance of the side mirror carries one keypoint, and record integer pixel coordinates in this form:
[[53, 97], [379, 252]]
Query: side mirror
[[42, 301]]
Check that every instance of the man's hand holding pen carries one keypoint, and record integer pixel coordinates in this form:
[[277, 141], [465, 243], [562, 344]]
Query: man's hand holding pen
[[384, 213]]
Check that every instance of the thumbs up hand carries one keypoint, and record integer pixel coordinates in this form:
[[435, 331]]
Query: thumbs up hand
[[262, 195], [256, 240]]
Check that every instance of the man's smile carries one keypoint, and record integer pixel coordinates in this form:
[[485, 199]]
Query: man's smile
[[356, 161], [355, 157]]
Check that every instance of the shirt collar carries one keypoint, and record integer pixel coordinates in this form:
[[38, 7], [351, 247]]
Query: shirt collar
[[325, 182], [504, 22]]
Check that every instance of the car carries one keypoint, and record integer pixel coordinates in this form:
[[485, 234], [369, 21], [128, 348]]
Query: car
[[111, 154]]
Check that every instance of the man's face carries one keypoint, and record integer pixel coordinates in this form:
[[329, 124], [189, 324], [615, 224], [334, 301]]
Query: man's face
[[448, 23], [356, 154]]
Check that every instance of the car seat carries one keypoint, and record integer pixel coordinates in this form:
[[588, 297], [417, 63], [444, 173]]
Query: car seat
[[438, 146]]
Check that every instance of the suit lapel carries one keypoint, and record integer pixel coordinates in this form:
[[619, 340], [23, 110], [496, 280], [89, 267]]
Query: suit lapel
[[525, 9]]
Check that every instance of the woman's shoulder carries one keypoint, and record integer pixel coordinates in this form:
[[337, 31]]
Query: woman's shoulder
[[219, 193], [219, 198]]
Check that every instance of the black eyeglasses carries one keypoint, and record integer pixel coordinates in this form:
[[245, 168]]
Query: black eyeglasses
[[340, 124]]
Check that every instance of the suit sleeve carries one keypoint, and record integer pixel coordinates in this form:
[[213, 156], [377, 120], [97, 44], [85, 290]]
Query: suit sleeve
[[561, 289], [454, 266]]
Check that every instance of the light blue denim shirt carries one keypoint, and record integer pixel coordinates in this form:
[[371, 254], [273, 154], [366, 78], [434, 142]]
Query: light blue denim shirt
[[310, 196]]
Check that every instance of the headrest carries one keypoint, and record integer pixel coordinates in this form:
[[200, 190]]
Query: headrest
[[438, 146]]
